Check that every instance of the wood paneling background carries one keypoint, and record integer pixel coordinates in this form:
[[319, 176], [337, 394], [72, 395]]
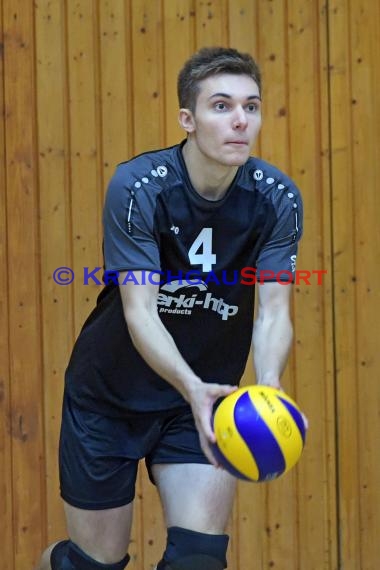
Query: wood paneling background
[[85, 84]]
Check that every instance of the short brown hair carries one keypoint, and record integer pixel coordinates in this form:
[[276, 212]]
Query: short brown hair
[[212, 61]]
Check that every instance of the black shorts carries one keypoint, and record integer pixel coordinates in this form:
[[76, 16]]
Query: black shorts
[[99, 455]]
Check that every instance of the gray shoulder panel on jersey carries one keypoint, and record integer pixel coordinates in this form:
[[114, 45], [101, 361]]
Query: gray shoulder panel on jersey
[[279, 253], [128, 216]]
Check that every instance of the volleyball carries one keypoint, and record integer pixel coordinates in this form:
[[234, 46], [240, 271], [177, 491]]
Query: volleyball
[[260, 433]]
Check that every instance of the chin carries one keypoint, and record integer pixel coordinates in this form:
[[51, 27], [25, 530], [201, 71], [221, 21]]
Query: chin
[[229, 159], [236, 160], [238, 157]]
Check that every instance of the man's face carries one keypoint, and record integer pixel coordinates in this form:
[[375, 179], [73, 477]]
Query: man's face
[[227, 118]]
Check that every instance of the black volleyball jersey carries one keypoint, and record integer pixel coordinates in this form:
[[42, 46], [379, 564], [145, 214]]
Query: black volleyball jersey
[[204, 254]]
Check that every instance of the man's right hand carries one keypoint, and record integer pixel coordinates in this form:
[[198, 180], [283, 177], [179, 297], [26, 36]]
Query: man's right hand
[[202, 399]]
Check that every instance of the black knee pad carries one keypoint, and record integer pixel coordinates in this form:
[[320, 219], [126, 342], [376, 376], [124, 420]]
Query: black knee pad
[[68, 556], [190, 550], [193, 562]]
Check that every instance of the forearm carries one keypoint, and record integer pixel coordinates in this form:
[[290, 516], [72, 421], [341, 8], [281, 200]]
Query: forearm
[[272, 339], [157, 347]]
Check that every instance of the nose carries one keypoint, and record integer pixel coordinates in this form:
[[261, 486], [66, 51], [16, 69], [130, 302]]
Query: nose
[[240, 119]]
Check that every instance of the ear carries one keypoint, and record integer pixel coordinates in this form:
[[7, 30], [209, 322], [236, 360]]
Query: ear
[[186, 120]]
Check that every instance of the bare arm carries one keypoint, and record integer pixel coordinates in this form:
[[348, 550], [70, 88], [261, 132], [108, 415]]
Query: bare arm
[[272, 333], [157, 347]]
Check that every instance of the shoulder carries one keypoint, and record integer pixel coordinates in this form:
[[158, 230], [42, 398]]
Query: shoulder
[[270, 181], [277, 190], [156, 168], [143, 177]]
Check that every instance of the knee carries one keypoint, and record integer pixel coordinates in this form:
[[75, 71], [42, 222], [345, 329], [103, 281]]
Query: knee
[[44, 563], [190, 550], [68, 556]]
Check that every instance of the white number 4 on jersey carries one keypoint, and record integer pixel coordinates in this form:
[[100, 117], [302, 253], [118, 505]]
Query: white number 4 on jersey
[[200, 253]]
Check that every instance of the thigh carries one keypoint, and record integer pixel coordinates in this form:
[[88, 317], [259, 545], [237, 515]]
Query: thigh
[[195, 496], [102, 534]]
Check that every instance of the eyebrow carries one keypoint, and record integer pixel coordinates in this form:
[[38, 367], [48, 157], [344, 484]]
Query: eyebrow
[[227, 96]]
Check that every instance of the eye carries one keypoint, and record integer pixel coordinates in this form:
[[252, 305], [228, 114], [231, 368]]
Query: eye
[[252, 107], [220, 106]]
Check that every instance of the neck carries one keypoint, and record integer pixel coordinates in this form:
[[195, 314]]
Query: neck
[[209, 178]]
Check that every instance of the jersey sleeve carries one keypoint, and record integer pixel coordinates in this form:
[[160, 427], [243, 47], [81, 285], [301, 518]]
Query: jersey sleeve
[[277, 257], [128, 224]]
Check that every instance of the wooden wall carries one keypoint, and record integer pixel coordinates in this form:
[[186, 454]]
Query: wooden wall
[[86, 84]]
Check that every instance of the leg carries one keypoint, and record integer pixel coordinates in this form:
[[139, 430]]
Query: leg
[[102, 535], [197, 501], [97, 477], [195, 496], [44, 563]]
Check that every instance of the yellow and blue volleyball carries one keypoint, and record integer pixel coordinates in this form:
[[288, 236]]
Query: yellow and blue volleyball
[[260, 433]]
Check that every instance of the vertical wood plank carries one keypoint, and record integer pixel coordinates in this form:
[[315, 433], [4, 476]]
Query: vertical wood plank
[[55, 238], [343, 205], [22, 271], [148, 85], [179, 16], [274, 61], [355, 164], [331, 530], [6, 520], [211, 23], [366, 167], [84, 128], [243, 26], [313, 358], [115, 85]]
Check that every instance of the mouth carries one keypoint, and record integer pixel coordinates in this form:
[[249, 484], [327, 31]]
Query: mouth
[[237, 143]]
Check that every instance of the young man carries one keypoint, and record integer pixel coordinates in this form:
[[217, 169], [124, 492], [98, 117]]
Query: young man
[[172, 336]]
